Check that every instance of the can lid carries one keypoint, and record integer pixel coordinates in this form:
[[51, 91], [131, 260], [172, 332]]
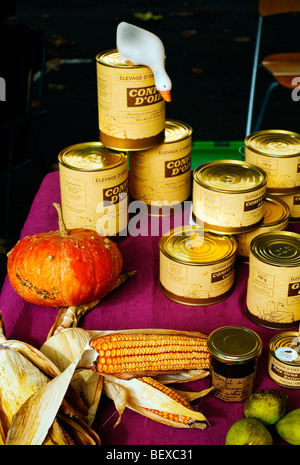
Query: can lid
[[114, 59], [276, 212], [234, 344], [230, 176], [274, 143], [192, 245], [91, 156], [278, 248], [176, 131], [286, 347]]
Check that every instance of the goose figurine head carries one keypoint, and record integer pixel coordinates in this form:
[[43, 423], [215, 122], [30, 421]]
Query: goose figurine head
[[137, 46]]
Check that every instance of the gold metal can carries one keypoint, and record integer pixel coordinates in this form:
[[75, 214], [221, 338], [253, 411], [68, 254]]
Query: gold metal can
[[276, 218], [94, 188], [161, 176], [278, 153], [131, 111], [196, 267], [234, 351], [293, 202], [273, 291], [229, 196], [284, 359]]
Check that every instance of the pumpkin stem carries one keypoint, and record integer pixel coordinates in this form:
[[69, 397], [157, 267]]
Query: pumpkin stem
[[62, 227]]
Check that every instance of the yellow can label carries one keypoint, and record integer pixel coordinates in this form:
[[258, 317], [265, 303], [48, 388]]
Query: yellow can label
[[293, 202], [284, 374], [131, 111], [162, 176], [276, 218], [233, 213], [277, 152], [94, 189], [273, 293], [196, 268]]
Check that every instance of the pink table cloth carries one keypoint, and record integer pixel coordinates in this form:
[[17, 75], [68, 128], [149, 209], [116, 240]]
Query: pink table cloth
[[140, 304]]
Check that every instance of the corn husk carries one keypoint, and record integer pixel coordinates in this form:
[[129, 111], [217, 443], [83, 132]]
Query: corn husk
[[64, 347], [27, 392], [142, 398]]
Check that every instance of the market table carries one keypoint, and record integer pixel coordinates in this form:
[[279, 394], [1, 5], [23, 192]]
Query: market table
[[139, 303]]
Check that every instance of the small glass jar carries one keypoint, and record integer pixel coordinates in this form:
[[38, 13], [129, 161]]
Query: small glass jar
[[234, 351]]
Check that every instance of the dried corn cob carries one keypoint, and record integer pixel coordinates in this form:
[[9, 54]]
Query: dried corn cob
[[152, 399], [174, 395], [139, 354]]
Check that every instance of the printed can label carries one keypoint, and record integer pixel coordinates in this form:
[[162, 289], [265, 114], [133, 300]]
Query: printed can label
[[162, 175], [131, 111]]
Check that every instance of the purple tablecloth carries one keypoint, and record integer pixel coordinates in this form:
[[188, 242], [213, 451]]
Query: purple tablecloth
[[140, 304]]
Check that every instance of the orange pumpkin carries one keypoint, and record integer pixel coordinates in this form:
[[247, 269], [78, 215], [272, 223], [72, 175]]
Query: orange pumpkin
[[65, 267]]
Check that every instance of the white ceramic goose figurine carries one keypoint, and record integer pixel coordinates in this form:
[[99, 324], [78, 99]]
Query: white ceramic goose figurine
[[140, 47]]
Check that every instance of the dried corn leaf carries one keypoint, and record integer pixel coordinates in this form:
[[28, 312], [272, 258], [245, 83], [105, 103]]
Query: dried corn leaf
[[62, 349], [146, 400], [23, 374], [31, 423], [182, 376]]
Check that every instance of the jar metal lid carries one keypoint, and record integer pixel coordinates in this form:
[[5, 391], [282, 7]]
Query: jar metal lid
[[234, 344]]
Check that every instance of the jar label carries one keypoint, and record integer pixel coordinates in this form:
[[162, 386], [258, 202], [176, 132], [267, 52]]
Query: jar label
[[232, 389]]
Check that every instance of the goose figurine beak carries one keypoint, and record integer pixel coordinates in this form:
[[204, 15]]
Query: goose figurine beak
[[137, 46], [166, 95]]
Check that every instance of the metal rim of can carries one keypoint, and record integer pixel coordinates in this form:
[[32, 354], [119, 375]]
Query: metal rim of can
[[178, 243], [257, 142], [277, 248], [113, 158], [221, 168], [172, 125], [234, 344], [100, 55], [283, 215], [284, 340]]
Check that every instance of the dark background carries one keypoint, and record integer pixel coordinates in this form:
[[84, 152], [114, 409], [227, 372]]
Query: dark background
[[209, 53]]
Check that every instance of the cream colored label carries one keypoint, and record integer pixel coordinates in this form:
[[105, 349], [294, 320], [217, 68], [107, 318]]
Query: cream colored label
[[283, 173], [235, 210], [96, 200], [196, 282], [293, 202], [283, 374], [162, 174], [273, 292], [243, 240], [129, 105], [232, 389]]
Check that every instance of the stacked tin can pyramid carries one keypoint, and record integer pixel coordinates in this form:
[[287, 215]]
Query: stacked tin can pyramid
[[234, 202]]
